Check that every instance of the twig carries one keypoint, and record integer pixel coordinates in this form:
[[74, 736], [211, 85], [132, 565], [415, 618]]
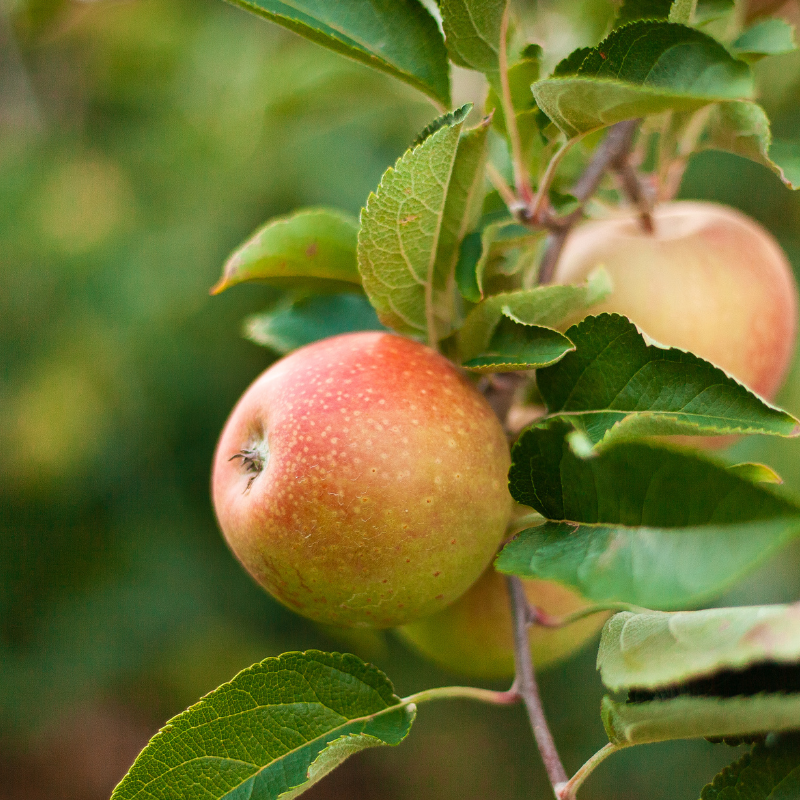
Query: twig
[[612, 154], [570, 788], [521, 177], [527, 688]]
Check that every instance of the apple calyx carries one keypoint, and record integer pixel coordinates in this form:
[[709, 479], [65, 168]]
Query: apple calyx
[[254, 459]]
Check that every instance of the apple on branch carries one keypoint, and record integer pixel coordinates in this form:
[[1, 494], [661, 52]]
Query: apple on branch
[[708, 279], [362, 480]]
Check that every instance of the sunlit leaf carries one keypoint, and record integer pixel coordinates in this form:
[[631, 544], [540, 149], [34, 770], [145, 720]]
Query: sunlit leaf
[[295, 323], [399, 37], [615, 385], [314, 247], [272, 732], [757, 473], [642, 68], [407, 245], [648, 651]]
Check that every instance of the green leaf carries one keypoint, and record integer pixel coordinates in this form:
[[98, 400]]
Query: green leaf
[[643, 68], [615, 386], [472, 32], [756, 473], [639, 523], [408, 242], [769, 37], [704, 11], [272, 732], [545, 306], [464, 200], [682, 11], [312, 248], [297, 322], [743, 128], [699, 717], [650, 651], [516, 346], [395, 36], [770, 772]]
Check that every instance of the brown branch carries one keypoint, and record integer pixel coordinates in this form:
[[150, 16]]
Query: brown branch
[[613, 154], [525, 685]]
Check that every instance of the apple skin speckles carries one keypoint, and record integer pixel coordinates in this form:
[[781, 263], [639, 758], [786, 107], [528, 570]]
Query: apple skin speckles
[[381, 454]]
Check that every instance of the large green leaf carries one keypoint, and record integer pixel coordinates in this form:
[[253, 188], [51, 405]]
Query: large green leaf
[[297, 322], [639, 522], [543, 306], [313, 247], [770, 772], [648, 651], [410, 229], [472, 32], [700, 717], [396, 36], [272, 732], [743, 128], [614, 385], [642, 68]]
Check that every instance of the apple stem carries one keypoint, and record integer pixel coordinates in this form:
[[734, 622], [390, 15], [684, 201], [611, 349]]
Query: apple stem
[[525, 685], [570, 789]]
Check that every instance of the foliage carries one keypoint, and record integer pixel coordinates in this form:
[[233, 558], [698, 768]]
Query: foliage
[[626, 516]]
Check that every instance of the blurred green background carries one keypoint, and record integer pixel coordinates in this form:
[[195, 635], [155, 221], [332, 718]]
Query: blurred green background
[[140, 142]]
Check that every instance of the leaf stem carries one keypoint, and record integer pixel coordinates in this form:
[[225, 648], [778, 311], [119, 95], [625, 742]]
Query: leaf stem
[[521, 177], [525, 685], [539, 207], [464, 693], [570, 789]]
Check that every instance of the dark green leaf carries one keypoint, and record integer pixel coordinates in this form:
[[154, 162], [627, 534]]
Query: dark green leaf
[[643, 68], [743, 128], [572, 63], [408, 241], [312, 248], [472, 32], [770, 772], [273, 731], [614, 385], [638, 523], [396, 36], [649, 651], [295, 323], [766, 38]]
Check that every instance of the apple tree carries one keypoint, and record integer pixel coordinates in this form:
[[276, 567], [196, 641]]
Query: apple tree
[[612, 356]]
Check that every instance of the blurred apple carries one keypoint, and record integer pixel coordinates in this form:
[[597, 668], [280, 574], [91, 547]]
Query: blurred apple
[[709, 280], [474, 636]]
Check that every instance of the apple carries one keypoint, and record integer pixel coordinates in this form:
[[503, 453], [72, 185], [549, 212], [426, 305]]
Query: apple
[[709, 280], [362, 480], [474, 636]]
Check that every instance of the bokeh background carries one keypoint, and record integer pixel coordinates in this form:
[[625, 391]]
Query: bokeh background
[[140, 142]]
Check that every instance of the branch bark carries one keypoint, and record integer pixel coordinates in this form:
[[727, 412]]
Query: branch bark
[[526, 686]]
